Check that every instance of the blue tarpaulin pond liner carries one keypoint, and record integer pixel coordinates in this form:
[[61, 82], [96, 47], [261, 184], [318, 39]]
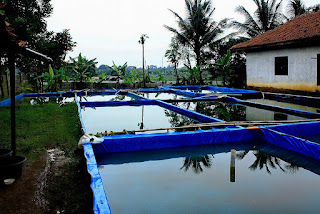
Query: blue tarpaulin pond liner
[[289, 137]]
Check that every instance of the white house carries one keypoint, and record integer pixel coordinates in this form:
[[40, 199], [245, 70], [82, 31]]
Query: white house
[[287, 57]]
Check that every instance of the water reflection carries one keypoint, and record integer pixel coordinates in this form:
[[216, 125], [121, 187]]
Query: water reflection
[[58, 100], [206, 187], [195, 162], [222, 111], [177, 120], [266, 161]]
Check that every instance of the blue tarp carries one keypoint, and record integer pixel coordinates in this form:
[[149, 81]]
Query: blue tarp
[[100, 202], [292, 143], [7, 101], [126, 143], [298, 129]]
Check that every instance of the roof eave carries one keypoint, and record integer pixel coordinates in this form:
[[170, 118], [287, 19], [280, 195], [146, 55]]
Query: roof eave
[[313, 41]]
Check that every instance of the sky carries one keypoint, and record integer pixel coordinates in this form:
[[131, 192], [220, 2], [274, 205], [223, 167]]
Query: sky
[[109, 30]]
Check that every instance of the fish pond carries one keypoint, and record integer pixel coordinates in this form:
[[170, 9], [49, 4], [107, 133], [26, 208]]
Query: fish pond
[[202, 179]]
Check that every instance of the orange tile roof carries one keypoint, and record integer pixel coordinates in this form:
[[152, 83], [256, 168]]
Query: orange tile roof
[[301, 28]]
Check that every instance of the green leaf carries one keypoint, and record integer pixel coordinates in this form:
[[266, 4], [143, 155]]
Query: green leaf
[[51, 71]]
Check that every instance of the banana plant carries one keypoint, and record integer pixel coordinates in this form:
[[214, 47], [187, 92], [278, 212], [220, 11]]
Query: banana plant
[[53, 80], [83, 68], [223, 66], [120, 70], [161, 77]]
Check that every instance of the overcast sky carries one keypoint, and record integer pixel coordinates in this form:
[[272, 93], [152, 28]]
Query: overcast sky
[[109, 30]]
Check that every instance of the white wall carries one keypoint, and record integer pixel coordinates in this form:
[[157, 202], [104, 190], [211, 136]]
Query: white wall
[[302, 69]]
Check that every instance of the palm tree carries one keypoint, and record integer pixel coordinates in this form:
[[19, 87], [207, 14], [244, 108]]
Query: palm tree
[[142, 40], [195, 163], [266, 17], [198, 30], [296, 8]]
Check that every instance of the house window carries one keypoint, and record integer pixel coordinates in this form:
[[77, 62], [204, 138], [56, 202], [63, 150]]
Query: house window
[[281, 65]]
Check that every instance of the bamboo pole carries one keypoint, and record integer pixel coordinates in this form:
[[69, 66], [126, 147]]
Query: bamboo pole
[[218, 124]]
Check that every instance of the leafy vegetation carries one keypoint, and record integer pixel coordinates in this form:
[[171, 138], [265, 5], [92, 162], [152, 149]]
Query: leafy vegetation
[[52, 79], [28, 19], [83, 68]]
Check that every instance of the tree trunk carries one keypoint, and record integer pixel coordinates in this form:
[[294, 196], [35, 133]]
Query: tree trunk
[[7, 84], [176, 71], [198, 59], [144, 81], [1, 86]]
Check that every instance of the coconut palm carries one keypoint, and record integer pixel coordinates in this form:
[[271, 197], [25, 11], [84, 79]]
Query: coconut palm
[[266, 17], [296, 8], [197, 31], [141, 41], [195, 163]]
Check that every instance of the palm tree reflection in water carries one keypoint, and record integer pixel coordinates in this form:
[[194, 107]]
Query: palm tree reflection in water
[[265, 160], [195, 162]]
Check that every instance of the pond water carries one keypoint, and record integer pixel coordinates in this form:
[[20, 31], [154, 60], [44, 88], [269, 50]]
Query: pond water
[[105, 98], [37, 101], [131, 118], [163, 96], [228, 112], [201, 180], [286, 105], [211, 92]]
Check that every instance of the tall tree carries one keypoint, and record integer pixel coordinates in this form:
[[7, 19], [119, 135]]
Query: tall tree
[[266, 17], [174, 55], [197, 30], [142, 40], [296, 8], [28, 18]]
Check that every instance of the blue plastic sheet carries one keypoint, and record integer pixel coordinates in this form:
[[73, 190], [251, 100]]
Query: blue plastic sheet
[[7, 101], [100, 202], [191, 114], [118, 103], [126, 143], [291, 143], [298, 129]]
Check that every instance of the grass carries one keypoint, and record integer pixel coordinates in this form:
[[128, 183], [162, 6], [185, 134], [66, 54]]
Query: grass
[[45, 126], [40, 127]]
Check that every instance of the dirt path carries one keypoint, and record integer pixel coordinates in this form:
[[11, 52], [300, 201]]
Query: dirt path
[[18, 198], [28, 193]]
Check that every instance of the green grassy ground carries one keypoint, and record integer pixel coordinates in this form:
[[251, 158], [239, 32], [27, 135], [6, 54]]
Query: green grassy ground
[[45, 126], [41, 127]]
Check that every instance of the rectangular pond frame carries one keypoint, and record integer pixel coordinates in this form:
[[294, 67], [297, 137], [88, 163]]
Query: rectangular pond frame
[[288, 137]]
